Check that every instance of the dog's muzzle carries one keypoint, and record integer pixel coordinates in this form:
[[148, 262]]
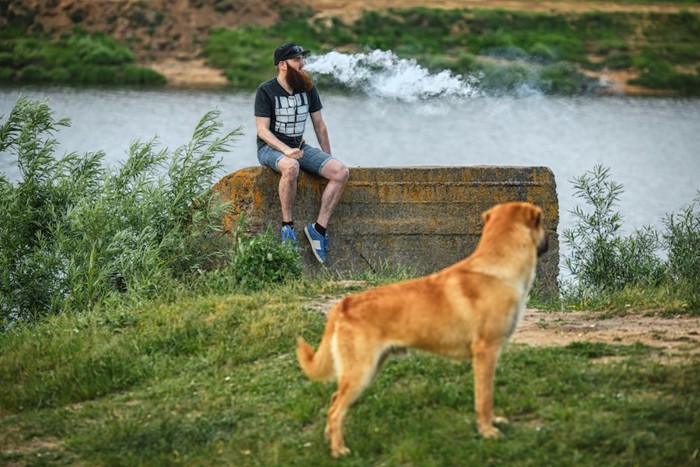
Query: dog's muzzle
[[543, 247]]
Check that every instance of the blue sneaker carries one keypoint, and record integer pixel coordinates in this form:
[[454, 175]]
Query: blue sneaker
[[288, 235], [319, 243]]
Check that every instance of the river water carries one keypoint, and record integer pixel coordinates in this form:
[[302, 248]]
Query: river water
[[651, 145]]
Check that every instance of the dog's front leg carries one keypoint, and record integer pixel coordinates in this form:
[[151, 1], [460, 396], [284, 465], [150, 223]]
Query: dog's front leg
[[485, 357]]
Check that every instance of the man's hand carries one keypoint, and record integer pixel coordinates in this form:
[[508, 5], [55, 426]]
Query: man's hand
[[294, 153]]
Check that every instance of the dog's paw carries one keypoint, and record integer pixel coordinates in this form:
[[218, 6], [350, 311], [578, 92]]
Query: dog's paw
[[489, 432], [501, 421], [340, 452]]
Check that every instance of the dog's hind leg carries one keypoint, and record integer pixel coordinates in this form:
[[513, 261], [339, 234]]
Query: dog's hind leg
[[357, 364]]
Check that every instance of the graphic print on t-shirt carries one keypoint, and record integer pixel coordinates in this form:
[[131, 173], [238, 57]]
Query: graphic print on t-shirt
[[291, 113]]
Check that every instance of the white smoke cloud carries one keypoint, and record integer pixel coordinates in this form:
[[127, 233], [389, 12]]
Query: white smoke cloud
[[382, 74]]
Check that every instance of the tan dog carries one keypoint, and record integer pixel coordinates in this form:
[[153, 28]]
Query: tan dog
[[466, 311]]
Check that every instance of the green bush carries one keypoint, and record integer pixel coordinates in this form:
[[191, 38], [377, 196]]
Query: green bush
[[600, 258], [75, 236], [598, 28], [659, 74], [604, 262], [72, 232], [543, 53], [77, 58], [262, 260], [136, 75]]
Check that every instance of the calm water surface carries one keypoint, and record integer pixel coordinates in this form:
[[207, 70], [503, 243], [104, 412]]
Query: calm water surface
[[652, 146]]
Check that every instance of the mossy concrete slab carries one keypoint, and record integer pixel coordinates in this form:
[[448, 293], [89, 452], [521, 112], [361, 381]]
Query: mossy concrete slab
[[425, 218]]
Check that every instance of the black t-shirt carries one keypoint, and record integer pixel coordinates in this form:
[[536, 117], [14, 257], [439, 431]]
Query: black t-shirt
[[287, 112]]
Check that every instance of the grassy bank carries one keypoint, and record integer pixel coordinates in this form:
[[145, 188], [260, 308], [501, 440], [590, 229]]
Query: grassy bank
[[212, 380], [552, 52]]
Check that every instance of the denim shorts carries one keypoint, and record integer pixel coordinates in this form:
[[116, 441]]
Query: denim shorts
[[313, 161]]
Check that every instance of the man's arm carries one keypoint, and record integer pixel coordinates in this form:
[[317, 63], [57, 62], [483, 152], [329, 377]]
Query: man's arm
[[262, 125], [321, 131]]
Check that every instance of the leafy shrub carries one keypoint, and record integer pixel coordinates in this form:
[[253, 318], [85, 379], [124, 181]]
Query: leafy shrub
[[603, 261], [657, 73], [592, 238], [78, 58], [599, 28], [263, 260], [72, 232], [136, 75], [75, 236]]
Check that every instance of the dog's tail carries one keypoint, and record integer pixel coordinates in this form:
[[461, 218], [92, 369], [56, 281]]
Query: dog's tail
[[318, 366]]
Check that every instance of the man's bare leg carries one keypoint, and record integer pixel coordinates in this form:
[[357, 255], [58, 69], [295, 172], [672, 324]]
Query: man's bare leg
[[289, 171], [337, 174]]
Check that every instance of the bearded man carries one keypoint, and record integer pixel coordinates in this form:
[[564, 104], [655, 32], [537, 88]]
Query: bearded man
[[282, 106]]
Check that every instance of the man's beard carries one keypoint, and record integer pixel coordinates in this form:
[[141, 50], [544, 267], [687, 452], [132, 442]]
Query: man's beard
[[299, 81]]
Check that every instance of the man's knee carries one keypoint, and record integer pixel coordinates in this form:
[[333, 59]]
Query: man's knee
[[336, 171], [344, 173], [288, 167]]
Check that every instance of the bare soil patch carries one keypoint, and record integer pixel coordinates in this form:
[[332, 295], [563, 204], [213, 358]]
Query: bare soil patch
[[677, 334], [189, 72]]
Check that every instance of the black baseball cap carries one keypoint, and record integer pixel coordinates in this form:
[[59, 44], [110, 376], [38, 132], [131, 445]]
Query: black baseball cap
[[289, 50]]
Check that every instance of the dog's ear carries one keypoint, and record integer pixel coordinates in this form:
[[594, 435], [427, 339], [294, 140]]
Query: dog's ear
[[486, 215], [535, 217]]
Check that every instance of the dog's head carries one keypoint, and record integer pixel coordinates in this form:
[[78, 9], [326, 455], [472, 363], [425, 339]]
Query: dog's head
[[519, 215]]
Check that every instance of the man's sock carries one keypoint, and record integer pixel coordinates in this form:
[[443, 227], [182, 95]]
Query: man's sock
[[291, 224], [320, 229]]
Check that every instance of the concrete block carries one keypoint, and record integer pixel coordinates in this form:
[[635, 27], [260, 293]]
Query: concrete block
[[425, 218]]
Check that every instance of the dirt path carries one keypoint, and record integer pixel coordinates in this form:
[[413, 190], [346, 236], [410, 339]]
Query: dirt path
[[675, 337]]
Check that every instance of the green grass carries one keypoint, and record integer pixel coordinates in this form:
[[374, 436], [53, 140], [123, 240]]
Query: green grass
[[213, 381]]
